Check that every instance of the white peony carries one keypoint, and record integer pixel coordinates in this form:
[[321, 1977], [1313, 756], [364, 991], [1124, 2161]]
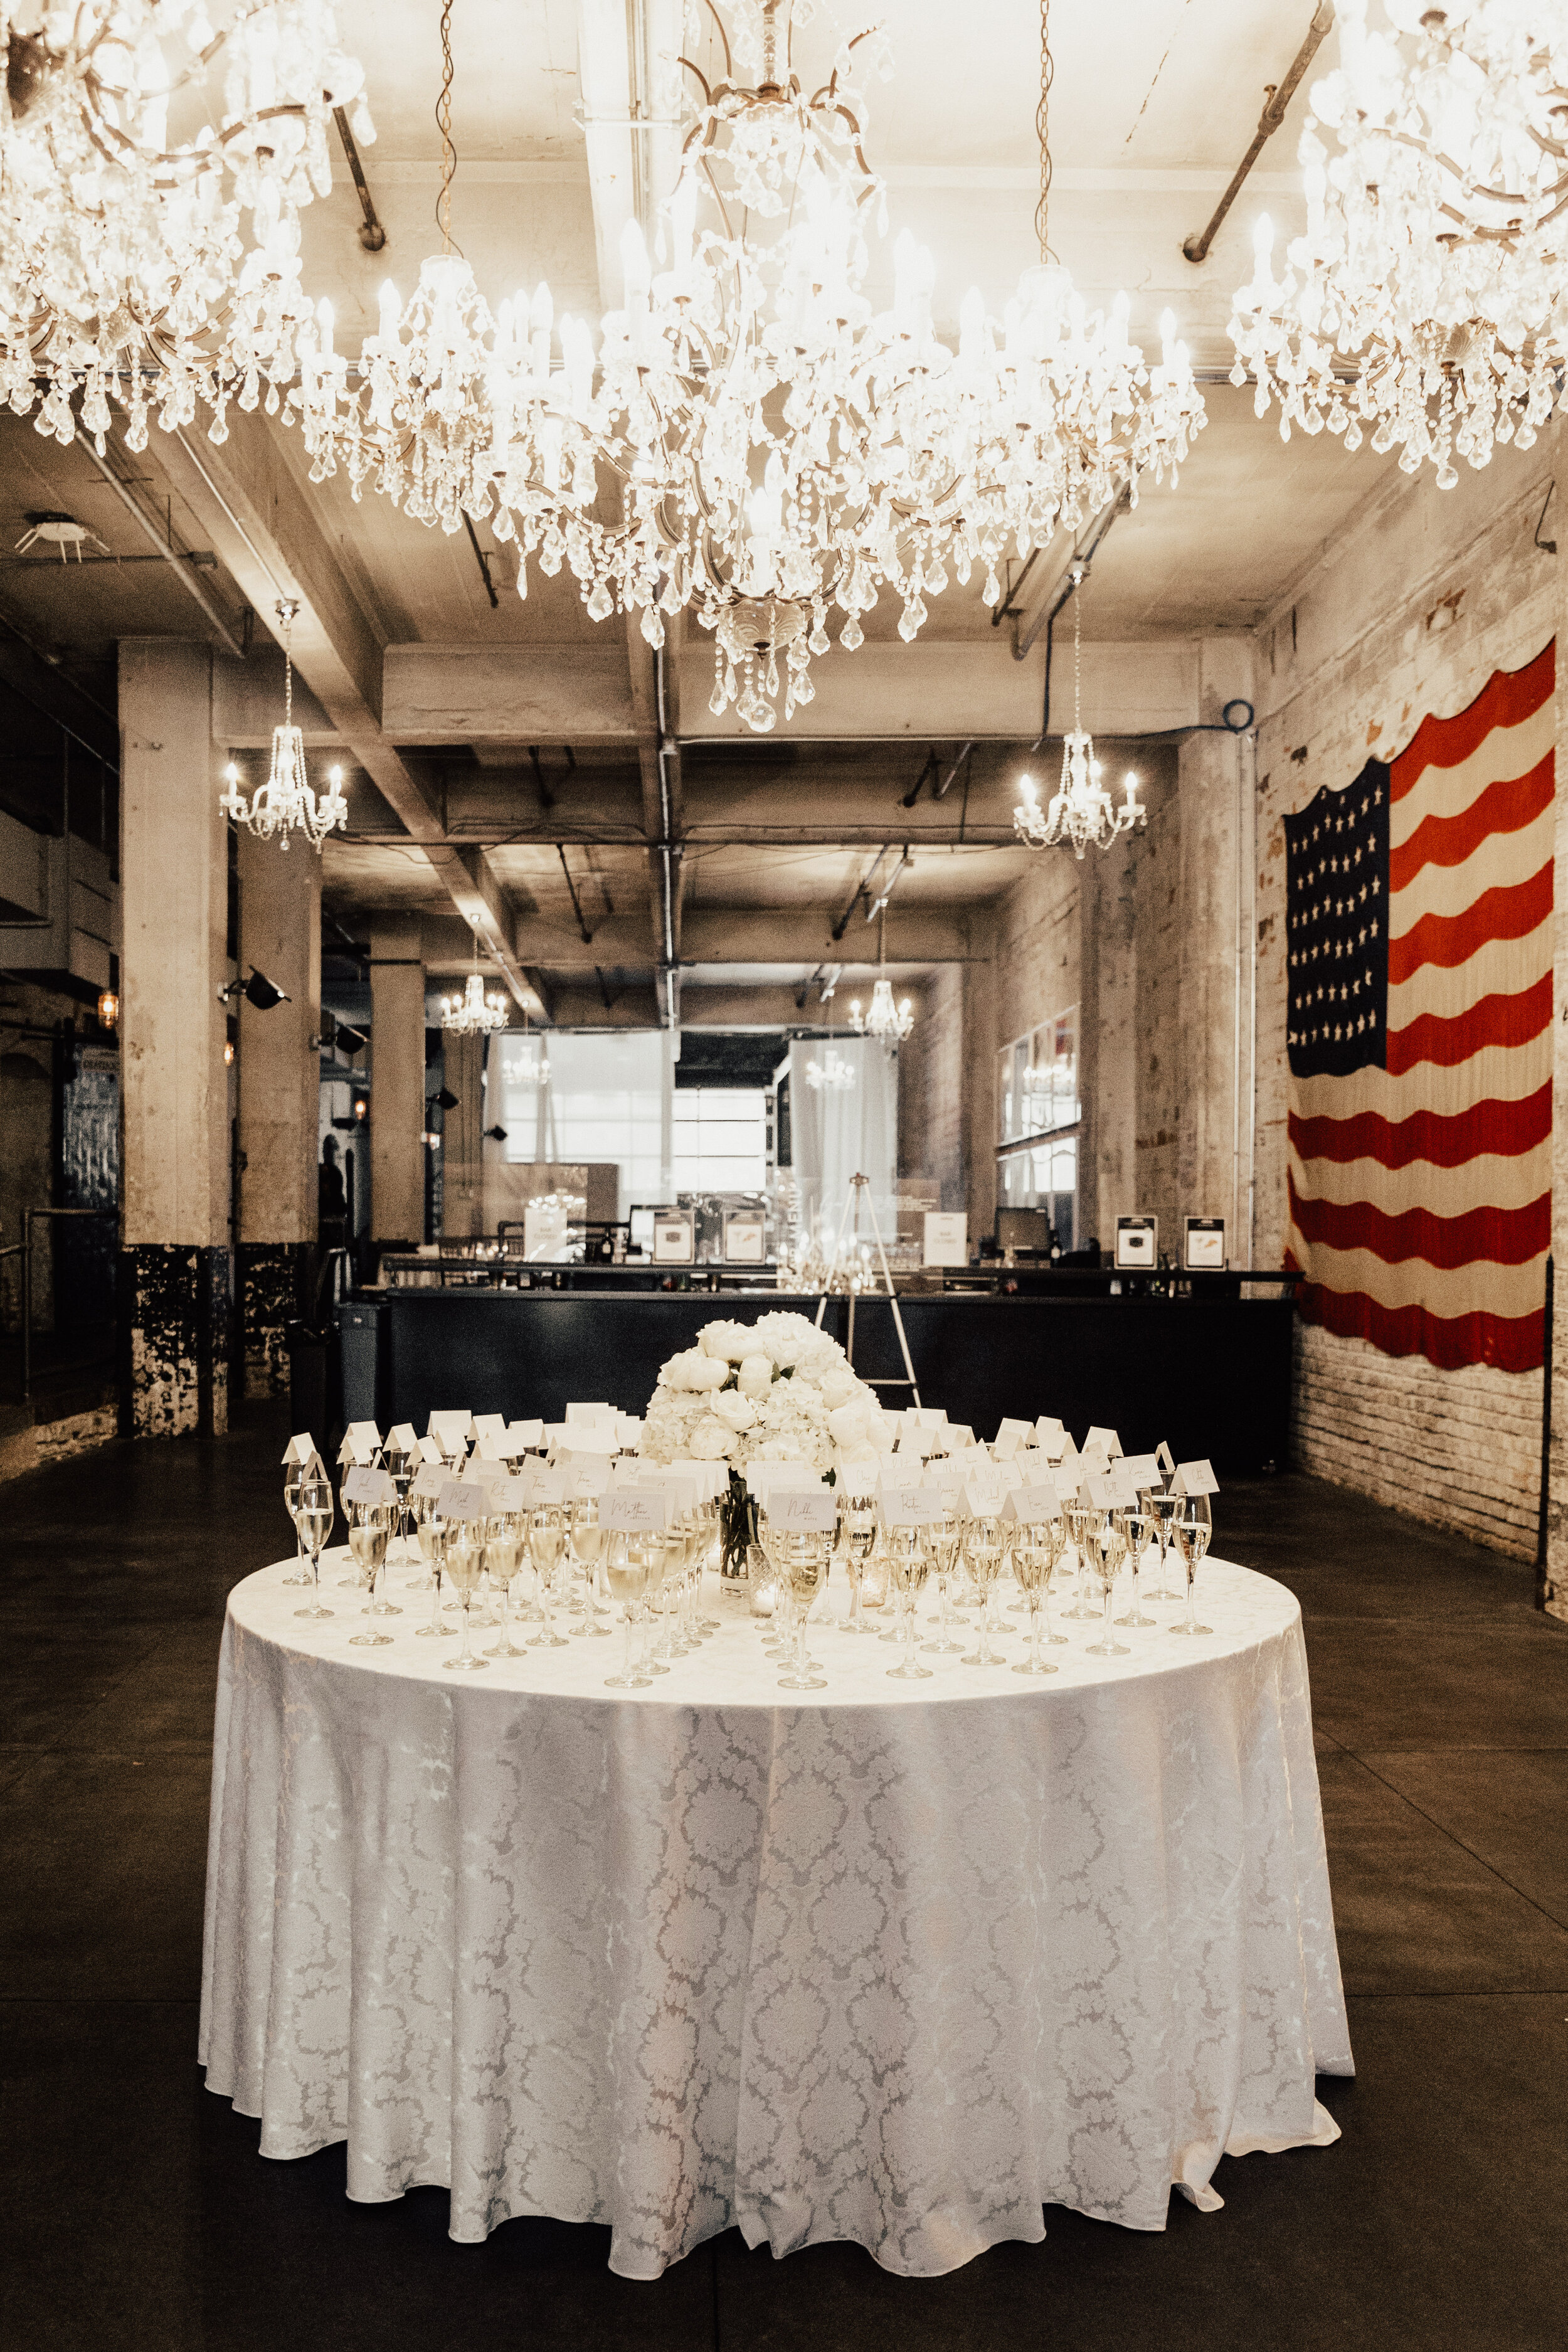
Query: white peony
[[755, 1377], [728, 1341], [847, 1422], [694, 1370], [737, 1411], [711, 1441], [839, 1385]]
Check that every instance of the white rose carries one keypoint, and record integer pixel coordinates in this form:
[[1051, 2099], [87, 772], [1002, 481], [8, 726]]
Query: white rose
[[727, 1342], [735, 1410], [694, 1372], [839, 1385], [709, 1441], [848, 1423], [755, 1377]]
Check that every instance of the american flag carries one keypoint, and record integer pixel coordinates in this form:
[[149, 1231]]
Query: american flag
[[1418, 904]]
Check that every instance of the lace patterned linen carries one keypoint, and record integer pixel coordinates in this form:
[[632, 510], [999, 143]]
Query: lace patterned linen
[[904, 1967]]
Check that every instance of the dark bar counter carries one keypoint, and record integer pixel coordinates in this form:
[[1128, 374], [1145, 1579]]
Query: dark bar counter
[[1209, 1373]]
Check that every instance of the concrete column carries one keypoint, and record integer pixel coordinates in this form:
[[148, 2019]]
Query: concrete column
[[462, 1146], [396, 1083], [1107, 1046], [280, 1088], [176, 1267], [979, 1078], [1213, 774]]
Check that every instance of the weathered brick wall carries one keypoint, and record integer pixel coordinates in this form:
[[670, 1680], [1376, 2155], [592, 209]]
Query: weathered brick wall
[[930, 1086], [1409, 610]]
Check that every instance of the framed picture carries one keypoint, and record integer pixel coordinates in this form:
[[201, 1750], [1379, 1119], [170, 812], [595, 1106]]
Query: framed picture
[[1203, 1250], [946, 1238], [673, 1238], [1137, 1241], [743, 1237]]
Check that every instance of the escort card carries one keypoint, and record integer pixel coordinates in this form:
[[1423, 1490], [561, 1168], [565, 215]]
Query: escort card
[[929, 1416], [760, 1476], [1031, 1506], [522, 1436], [591, 1412], [1051, 1436], [451, 1430], [361, 1443], [490, 1424], [1006, 1441], [982, 1488], [372, 1486], [1123, 1492], [1164, 1457], [599, 1437], [1194, 1478], [800, 1511], [460, 1499], [1096, 1492], [403, 1438], [634, 1510], [302, 1450], [545, 1486], [430, 1478], [1141, 1468], [1020, 1430], [904, 1506], [509, 1495], [1105, 1438], [491, 1447], [430, 1450]]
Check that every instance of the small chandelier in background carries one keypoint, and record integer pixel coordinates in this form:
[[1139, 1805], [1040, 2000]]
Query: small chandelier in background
[[474, 1015], [1429, 298], [886, 1020], [285, 803], [1081, 812], [831, 1074]]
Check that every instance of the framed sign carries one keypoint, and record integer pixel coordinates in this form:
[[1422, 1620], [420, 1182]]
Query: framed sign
[[1137, 1241], [1202, 1248], [744, 1234], [672, 1237], [946, 1238]]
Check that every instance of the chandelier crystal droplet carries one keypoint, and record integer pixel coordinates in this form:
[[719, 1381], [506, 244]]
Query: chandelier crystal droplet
[[1428, 298], [286, 804]]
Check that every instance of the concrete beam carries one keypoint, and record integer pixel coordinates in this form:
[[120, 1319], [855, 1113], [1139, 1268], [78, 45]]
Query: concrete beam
[[576, 693], [761, 935]]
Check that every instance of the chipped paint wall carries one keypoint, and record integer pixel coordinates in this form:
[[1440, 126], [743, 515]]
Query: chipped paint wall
[[1408, 611]]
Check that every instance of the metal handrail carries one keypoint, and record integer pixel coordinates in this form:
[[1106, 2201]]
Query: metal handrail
[[24, 1249]]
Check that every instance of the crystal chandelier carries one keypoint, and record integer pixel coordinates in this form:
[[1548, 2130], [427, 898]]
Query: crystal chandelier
[[1429, 298], [474, 1015], [1081, 811], [781, 449], [285, 803], [127, 270], [831, 1075], [885, 1019]]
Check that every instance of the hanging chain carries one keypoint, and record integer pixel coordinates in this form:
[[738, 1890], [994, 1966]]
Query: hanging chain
[[1043, 127], [286, 611], [1078, 649], [444, 124]]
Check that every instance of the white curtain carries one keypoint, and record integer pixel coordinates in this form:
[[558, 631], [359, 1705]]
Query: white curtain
[[840, 1133]]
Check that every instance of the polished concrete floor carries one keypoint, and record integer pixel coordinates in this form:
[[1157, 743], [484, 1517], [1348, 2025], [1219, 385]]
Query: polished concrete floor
[[138, 2213]]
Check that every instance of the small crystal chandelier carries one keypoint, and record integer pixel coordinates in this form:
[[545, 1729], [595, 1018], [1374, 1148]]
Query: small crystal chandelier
[[126, 271], [832, 1074], [285, 803], [1082, 811], [474, 1015], [1426, 299], [885, 1019]]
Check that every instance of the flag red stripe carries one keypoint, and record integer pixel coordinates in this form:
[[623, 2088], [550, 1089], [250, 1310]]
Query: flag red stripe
[[1508, 696], [1449, 940], [1511, 1343], [1498, 1237], [1504, 807], [1506, 1129], [1495, 1021]]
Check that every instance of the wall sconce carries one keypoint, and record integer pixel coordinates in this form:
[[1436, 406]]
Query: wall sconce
[[108, 1009], [361, 1107], [228, 1052]]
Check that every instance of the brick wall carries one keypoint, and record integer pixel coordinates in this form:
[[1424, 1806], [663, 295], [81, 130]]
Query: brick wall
[[1409, 610], [930, 1086]]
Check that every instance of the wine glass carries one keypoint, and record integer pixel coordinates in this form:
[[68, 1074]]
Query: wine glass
[[433, 1534], [294, 1476], [1030, 1566], [944, 1552], [1049, 1536], [983, 1551], [1166, 1510], [910, 1559], [1192, 1530], [546, 1541], [587, 1550], [369, 1535], [504, 1551], [805, 1560], [1106, 1545], [1135, 1527], [316, 1515], [859, 1534], [625, 1572], [465, 1565], [1080, 1518], [400, 1470]]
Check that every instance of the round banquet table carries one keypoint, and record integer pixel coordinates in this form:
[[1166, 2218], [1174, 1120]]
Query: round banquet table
[[901, 1963]]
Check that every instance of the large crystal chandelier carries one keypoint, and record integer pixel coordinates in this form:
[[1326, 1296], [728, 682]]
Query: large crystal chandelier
[[128, 270], [781, 450], [1429, 298], [474, 1015], [1081, 812], [285, 803]]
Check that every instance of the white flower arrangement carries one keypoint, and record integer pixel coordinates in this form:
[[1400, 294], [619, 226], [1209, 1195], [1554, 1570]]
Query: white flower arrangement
[[777, 1390]]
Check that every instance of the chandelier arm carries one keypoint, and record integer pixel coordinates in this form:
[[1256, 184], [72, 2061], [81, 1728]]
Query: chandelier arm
[[707, 96], [724, 36]]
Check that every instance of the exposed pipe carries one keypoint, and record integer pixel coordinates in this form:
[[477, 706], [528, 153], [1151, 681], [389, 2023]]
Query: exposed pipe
[[584, 933], [171, 557], [879, 905], [481, 559], [546, 797], [862, 891], [951, 778], [1274, 108], [1006, 606], [666, 853], [372, 235]]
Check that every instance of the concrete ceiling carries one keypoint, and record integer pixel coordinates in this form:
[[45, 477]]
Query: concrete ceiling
[[500, 757]]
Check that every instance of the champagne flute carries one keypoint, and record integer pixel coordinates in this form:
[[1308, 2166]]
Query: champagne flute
[[983, 1551], [944, 1550], [400, 1470], [368, 1540], [859, 1536], [546, 1540], [625, 1572], [316, 1516], [433, 1534], [465, 1565], [1030, 1567], [907, 1549], [806, 1556], [588, 1549], [504, 1551], [294, 1476], [1136, 1527], [1106, 1545], [1167, 1510], [1080, 1519], [1192, 1530]]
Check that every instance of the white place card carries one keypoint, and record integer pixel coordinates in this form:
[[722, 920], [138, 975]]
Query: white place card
[[461, 1498], [1051, 1435], [959, 1436], [1021, 1431], [1194, 1478], [596, 1438], [798, 1510], [1096, 1492], [430, 1478], [1032, 1506], [634, 1510], [929, 1416], [430, 1450], [1165, 1458], [451, 1430], [509, 1495], [761, 1475], [522, 1436], [710, 1478], [630, 1428], [403, 1438], [1006, 1442], [908, 1506], [300, 1449], [983, 1485], [490, 1424], [545, 1485], [590, 1413], [1141, 1468], [1123, 1492], [361, 1443], [1105, 1438], [370, 1486], [492, 1447]]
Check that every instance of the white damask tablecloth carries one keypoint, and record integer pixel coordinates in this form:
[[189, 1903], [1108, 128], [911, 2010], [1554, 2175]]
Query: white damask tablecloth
[[902, 1964]]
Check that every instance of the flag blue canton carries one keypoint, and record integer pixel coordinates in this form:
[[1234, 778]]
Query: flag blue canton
[[1336, 909]]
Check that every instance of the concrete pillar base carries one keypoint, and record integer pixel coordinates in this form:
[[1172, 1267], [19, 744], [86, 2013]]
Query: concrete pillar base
[[175, 1304], [276, 1286]]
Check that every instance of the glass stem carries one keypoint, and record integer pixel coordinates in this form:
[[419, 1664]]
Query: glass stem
[[1191, 1578], [464, 1652], [856, 1625], [435, 1599], [800, 1650], [1105, 1631], [544, 1609], [1035, 1631], [627, 1670], [505, 1590]]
